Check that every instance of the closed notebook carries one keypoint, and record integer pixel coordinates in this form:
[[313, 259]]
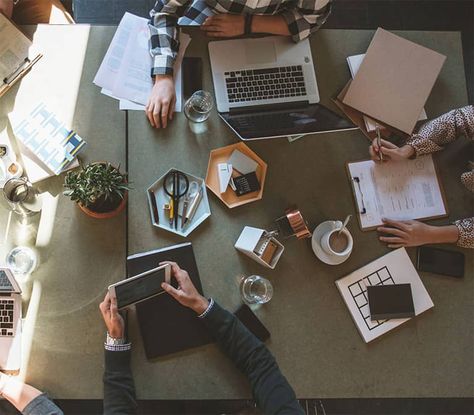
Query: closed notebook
[[165, 325], [394, 80]]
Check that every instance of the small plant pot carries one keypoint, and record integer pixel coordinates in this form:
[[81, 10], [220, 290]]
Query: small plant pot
[[105, 215]]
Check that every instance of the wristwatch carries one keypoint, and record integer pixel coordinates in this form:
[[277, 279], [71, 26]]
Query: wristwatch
[[113, 341]]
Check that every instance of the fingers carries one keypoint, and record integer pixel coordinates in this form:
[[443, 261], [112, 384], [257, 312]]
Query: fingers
[[217, 34], [113, 307], [149, 114], [392, 231], [387, 144], [392, 239], [176, 294], [395, 246], [157, 115], [174, 266], [104, 306], [172, 108], [396, 224]]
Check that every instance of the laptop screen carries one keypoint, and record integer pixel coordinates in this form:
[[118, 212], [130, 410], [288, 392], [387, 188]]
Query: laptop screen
[[312, 118], [5, 284]]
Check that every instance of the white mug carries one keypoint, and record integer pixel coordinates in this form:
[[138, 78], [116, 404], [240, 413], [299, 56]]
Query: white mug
[[325, 240]]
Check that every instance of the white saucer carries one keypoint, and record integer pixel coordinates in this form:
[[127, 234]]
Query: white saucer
[[318, 233]]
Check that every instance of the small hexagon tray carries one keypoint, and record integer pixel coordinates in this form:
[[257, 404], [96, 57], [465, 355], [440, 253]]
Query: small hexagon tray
[[161, 198], [229, 198]]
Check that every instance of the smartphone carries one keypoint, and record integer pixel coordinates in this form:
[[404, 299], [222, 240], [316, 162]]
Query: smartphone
[[140, 287], [251, 321], [192, 75], [440, 261]]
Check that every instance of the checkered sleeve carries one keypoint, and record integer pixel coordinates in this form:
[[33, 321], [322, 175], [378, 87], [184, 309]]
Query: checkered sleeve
[[164, 43], [306, 17]]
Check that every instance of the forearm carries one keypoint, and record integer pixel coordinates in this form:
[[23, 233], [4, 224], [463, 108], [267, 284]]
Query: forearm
[[17, 393], [119, 388], [275, 25], [444, 234], [271, 390], [6, 8]]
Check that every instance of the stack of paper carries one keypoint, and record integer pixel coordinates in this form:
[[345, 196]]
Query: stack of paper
[[354, 63], [125, 70]]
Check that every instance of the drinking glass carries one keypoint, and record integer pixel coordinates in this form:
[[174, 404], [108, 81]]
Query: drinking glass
[[22, 196], [198, 106], [256, 290], [22, 260]]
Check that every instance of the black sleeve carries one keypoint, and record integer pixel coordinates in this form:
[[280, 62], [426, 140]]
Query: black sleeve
[[271, 390], [119, 388]]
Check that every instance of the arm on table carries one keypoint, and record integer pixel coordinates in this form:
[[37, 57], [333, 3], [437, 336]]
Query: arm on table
[[6, 8]]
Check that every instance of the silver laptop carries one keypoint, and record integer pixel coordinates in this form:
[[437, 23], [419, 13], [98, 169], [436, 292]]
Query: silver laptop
[[10, 322], [267, 88]]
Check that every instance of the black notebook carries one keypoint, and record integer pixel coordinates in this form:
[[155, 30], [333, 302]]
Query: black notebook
[[165, 325], [390, 301]]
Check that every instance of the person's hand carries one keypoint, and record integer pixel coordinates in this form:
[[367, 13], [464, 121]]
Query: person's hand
[[390, 151], [224, 25], [186, 294], [414, 233], [6, 8], [113, 320], [160, 107]]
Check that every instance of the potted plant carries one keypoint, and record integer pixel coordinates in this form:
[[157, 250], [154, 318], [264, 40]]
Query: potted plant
[[99, 189]]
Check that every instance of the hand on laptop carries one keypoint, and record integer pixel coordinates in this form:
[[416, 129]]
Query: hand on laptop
[[6, 8], [390, 151], [112, 318], [224, 25], [186, 294], [160, 107]]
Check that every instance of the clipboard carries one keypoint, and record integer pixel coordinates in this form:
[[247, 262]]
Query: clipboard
[[23, 66], [361, 202]]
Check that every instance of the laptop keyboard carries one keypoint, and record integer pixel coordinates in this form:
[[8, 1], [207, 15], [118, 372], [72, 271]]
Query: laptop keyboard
[[268, 83], [6, 317]]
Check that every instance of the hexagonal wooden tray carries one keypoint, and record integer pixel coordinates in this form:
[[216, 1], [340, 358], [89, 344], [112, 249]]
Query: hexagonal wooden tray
[[229, 198]]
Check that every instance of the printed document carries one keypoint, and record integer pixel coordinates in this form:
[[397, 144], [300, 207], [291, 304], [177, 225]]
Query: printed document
[[407, 189], [126, 67]]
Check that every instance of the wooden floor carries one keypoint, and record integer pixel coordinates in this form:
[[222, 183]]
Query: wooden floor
[[444, 15]]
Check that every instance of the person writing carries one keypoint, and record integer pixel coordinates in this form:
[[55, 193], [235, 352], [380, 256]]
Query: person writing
[[219, 19], [270, 389], [431, 137], [35, 11]]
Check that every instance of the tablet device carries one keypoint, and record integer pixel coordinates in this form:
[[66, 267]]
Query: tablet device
[[390, 301], [140, 287]]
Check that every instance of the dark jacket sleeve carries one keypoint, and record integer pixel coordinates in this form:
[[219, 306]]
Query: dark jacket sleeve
[[271, 390], [119, 389]]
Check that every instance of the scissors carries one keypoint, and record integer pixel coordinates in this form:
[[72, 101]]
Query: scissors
[[176, 185]]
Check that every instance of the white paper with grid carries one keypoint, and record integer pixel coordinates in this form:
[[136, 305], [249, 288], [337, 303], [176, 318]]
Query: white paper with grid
[[393, 268]]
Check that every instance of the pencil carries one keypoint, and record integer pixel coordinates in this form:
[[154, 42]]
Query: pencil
[[379, 142]]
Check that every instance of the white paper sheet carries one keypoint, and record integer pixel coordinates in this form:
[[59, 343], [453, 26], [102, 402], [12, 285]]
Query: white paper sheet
[[393, 268], [125, 70], [407, 189], [354, 63]]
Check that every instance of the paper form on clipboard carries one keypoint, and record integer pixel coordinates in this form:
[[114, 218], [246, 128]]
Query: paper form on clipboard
[[401, 190]]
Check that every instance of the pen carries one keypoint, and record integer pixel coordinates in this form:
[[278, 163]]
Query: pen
[[171, 210], [192, 208], [154, 208], [379, 142]]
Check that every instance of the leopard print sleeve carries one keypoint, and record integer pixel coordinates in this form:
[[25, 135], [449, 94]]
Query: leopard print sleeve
[[466, 232], [434, 134]]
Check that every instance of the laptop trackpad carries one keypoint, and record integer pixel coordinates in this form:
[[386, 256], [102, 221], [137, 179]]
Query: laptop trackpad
[[261, 52]]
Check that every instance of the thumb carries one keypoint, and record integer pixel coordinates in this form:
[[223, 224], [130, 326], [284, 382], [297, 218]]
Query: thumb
[[388, 152]]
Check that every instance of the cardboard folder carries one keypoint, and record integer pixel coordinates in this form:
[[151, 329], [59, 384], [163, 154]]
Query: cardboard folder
[[394, 81]]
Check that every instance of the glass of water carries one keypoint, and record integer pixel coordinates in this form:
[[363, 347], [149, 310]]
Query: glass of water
[[198, 106], [22, 197], [22, 260], [256, 290]]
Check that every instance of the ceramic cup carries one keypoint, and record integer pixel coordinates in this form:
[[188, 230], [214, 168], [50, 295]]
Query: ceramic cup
[[325, 241]]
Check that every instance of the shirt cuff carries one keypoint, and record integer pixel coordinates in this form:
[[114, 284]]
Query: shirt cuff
[[208, 309], [162, 65], [116, 345]]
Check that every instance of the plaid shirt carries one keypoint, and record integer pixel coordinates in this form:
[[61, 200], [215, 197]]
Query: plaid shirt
[[302, 16]]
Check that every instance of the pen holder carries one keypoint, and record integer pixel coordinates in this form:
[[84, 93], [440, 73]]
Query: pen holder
[[259, 245]]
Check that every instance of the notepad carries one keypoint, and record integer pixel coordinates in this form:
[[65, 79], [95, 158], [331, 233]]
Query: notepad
[[393, 268], [408, 189]]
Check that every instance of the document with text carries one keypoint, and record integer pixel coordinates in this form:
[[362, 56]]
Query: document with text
[[402, 190]]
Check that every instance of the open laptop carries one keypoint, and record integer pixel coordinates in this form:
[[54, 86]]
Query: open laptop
[[267, 87], [10, 322]]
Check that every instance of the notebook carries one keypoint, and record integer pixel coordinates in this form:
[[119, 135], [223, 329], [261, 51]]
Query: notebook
[[393, 268], [165, 325], [394, 80], [408, 189]]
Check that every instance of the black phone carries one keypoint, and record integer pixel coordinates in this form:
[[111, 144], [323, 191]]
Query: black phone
[[251, 321], [440, 261], [192, 75]]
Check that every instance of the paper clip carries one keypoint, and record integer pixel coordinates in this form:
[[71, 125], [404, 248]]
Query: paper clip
[[363, 210]]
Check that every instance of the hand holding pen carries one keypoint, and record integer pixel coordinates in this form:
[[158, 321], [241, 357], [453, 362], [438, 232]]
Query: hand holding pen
[[389, 151]]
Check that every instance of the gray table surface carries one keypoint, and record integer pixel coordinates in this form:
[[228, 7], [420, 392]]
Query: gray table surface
[[313, 336]]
